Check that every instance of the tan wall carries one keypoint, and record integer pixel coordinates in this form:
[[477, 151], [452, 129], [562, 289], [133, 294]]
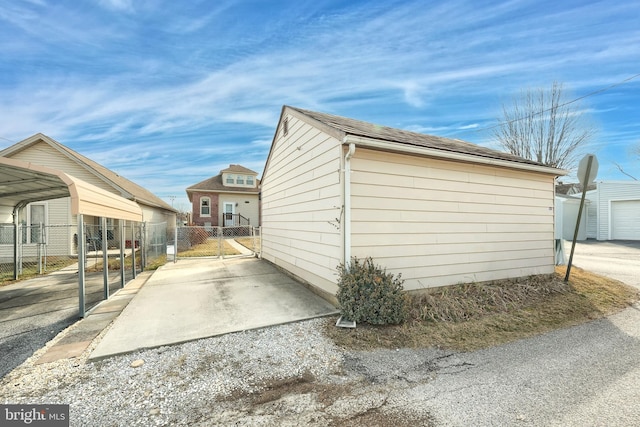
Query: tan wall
[[155, 215], [248, 210], [301, 200], [441, 223]]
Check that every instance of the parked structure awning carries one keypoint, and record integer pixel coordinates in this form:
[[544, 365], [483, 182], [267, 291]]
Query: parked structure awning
[[22, 183]]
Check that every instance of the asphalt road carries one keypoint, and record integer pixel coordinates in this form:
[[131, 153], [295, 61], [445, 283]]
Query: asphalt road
[[619, 260], [588, 375], [32, 312]]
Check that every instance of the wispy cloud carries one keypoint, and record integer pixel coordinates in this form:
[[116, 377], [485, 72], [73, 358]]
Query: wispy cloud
[[204, 83]]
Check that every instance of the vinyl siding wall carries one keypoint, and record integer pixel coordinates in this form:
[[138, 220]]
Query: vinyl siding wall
[[301, 205], [58, 231], [441, 223], [603, 196], [43, 154]]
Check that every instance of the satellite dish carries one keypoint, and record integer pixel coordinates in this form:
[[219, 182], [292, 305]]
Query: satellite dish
[[582, 170]]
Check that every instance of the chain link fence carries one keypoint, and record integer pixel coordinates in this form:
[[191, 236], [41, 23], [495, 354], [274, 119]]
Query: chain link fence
[[46, 249], [199, 241], [39, 250]]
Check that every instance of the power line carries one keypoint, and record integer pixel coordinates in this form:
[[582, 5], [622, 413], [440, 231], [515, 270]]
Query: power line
[[7, 139], [595, 92]]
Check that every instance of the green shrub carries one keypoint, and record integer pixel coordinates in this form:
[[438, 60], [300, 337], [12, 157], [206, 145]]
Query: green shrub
[[367, 293]]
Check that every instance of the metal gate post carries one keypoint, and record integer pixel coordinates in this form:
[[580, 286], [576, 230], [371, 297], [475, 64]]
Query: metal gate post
[[143, 246], [220, 232], [81, 265], [133, 250], [175, 243], [122, 244]]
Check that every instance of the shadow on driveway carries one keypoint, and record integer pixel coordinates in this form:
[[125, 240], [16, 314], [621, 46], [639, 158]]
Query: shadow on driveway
[[34, 311]]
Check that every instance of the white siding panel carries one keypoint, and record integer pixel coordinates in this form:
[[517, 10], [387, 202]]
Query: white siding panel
[[440, 223], [301, 205], [60, 236]]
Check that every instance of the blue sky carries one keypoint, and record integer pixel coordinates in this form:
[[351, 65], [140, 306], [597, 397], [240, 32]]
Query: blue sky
[[168, 93]]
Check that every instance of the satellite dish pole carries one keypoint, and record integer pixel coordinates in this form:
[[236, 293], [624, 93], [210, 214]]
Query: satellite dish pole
[[587, 171]]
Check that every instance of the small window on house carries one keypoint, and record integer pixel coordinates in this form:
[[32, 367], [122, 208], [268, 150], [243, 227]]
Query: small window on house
[[34, 231], [285, 126], [249, 180], [240, 180], [229, 179], [205, 206]]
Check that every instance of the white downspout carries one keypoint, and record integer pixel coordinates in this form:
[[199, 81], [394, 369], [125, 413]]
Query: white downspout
[[347, 202]]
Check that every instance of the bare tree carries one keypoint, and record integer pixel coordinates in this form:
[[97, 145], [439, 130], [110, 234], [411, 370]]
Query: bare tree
[[541, 125], [634, 151]]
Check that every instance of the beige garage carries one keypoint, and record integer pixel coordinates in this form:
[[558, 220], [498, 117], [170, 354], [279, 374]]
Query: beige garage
[[440, 211]]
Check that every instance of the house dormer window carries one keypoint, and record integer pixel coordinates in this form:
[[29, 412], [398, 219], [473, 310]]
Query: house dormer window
[[250, 180], [230, 179], [240, 179]]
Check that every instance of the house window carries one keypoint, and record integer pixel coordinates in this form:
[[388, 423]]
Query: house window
[[240, 180], [205, 206], [250, 180], [229, 179], [34, 232]]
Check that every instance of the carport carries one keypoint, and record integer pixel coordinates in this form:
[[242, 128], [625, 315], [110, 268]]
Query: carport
[[22, 183]]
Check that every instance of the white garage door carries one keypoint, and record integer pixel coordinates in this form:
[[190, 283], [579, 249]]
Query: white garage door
[[625, 220]]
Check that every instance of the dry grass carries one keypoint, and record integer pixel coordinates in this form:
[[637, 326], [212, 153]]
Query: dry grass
[[474, 316], [248, 242], [29, 269], [209, 248]]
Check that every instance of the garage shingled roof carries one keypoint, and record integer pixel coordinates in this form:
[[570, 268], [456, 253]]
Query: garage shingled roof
[[369, 130]]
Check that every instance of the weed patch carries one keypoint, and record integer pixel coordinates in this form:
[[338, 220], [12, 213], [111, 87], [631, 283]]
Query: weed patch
[[473, 316]]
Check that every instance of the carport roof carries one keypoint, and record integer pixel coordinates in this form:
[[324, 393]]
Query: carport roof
[[22, 183]]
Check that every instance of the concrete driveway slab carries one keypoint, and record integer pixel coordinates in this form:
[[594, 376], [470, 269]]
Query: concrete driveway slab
[[200, 298]]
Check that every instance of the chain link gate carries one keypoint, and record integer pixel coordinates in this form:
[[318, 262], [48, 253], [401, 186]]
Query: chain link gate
[[219, 242]]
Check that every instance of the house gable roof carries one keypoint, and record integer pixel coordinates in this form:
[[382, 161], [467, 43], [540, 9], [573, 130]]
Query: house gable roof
[[128, 189], [215, 184], [401, 140], [238, 169]]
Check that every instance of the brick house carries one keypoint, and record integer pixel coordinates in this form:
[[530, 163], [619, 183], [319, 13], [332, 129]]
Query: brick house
[[230, 198]]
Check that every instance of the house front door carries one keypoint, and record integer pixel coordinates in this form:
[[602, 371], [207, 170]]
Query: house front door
[[228, 214]]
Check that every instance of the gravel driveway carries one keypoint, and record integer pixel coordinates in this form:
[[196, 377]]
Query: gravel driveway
[[292, 375]]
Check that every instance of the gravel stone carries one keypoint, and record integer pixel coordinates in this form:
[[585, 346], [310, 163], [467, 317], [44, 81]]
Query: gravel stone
[[175, 385]]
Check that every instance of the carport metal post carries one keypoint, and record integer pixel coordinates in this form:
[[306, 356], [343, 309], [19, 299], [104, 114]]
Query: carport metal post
[[105, 257], [121, 233], [15, 251], [81, 265]]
